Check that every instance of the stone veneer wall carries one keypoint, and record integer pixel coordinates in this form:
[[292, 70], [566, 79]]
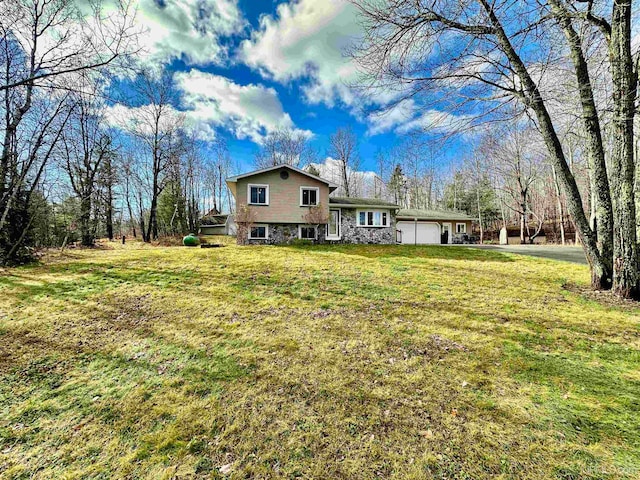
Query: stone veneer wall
[[352, 233], [286, 233]]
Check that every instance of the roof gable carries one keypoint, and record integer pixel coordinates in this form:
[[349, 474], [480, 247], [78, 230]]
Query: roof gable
[[234, 179]]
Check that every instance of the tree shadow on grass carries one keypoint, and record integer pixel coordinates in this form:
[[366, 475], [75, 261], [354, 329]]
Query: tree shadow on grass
[[87, 279], [583, 377], [409, 251], [148, 398]]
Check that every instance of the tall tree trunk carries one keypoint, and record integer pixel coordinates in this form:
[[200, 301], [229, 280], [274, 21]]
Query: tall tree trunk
[[637, 188], [479, 214], [152, 231], [345, 178], [625, 249], [220, 182], [592, 129], [559, 200], [593, 214], [109, 213], [600, 275], [143, 231], [109, 206], [131, 219], [86, 235], [523, 216]]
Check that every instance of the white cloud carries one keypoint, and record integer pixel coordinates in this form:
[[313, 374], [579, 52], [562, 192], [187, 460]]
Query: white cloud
[[187, 29], [210, 102], [361, 183], [249, 111], [307, 39], [388, 120], [141, 118], [407, 116], [436, 121]]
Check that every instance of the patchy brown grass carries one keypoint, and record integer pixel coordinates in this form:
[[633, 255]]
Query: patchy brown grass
[[314, 362]]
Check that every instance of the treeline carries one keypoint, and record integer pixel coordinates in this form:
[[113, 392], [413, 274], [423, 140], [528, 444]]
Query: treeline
[[568, 69], [74, 164], [507, 180], [553, 84]]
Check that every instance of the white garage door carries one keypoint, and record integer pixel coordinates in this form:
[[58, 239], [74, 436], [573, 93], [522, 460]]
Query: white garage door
[[426, 233]]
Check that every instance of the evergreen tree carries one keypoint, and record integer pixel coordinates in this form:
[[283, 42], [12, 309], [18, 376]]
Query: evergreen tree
[[397, 185]]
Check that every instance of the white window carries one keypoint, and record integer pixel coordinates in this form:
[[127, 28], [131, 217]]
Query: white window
[[258, 194], [309, 196], [373, 218], [307, 232], [259, 232], [461, 228]]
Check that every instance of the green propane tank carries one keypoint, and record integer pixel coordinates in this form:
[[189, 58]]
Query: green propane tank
[[191, 240]]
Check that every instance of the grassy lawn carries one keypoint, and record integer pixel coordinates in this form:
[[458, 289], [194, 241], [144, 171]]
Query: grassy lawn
[[314, 362]]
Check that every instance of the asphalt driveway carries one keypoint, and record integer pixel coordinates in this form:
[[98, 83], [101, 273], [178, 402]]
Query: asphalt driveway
[[554, 252]]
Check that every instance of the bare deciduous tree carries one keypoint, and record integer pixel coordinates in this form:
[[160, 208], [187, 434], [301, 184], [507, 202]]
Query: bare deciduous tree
[[518, 166], [44, 46], [217, 168], [158, 126], [245, 218], [479, 53], [107, 180], [316, 216], [54, 39], [343, 147], [285, 147], [84, 147]]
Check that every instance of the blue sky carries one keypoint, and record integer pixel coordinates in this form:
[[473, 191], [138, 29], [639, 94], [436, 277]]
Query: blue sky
[[246, 67]]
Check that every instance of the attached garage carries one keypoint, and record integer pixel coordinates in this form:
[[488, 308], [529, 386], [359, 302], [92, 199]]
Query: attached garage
[[418, 233], [431, 227]]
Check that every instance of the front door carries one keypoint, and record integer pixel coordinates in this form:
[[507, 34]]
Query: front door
[[446, 233], [333, 228]]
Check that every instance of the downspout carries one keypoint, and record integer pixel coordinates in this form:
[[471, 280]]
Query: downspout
[[415, 231]]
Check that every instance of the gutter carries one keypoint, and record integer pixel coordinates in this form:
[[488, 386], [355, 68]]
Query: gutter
[[350, 205]]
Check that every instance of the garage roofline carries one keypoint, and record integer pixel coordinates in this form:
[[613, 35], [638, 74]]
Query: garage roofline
[[433, 215], [361, 206], [435, 220]]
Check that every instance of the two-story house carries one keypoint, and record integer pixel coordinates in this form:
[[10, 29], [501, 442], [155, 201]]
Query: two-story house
[[286, 203]]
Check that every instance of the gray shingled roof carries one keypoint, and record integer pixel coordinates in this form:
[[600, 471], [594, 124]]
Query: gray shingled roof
[[361, 202], [431, 214], [235, 178], [213, 220]]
